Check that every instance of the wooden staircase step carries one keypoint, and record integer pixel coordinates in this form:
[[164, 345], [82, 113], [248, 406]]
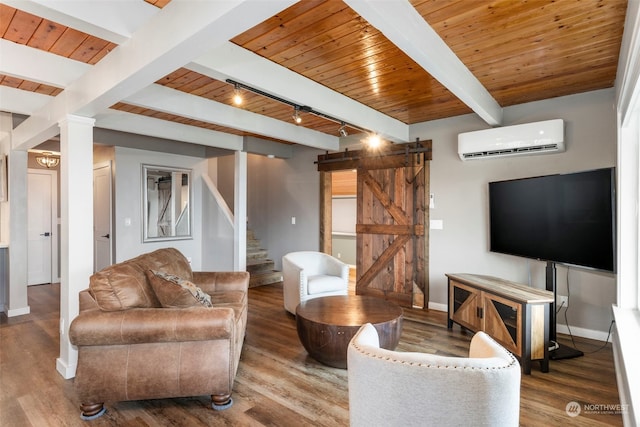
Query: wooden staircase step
[[256, 254], [259, 265], [253, 244], [260, 268], [266, 277]]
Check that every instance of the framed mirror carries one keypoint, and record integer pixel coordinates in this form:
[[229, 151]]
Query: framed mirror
[[166, 198]]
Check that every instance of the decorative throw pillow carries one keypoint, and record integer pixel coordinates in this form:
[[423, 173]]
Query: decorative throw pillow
[[122, 287], [174, 291]]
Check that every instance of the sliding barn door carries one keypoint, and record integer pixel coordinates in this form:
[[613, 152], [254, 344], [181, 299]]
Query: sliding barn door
[[390, 234], [392, 216]]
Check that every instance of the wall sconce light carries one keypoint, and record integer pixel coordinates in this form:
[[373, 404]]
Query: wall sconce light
[[47, 160]]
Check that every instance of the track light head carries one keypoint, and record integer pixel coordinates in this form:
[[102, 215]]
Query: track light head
[[237, 95], [296, 115], [343, 130]]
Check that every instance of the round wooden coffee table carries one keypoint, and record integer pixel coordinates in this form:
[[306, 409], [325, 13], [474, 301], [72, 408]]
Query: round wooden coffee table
[[327, 324]]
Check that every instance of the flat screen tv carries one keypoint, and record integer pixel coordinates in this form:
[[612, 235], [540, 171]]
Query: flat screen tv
[[564, 218]]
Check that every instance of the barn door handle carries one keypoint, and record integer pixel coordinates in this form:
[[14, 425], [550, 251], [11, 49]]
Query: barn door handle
[[47, 234], [106, 235]]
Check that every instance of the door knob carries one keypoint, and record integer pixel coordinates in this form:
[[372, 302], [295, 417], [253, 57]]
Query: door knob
[[106, 236], [47, 234]]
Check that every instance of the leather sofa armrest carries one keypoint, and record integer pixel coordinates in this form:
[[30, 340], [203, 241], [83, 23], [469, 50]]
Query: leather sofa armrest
[[150, 325], [221, 281]]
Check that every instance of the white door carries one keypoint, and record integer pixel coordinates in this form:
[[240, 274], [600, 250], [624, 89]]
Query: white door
[[40, 225], [102, 216]]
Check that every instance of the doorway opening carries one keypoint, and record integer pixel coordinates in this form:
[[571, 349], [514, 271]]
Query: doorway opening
[[343, 220]]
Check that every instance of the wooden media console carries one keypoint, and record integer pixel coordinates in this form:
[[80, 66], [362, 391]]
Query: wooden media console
[[515, 315]]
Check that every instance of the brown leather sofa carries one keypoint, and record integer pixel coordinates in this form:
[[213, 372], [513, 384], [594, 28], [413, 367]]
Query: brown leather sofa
[[134, 343]]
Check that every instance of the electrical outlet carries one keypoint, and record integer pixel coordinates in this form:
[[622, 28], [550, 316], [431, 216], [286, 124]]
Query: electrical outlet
[[562, 301]]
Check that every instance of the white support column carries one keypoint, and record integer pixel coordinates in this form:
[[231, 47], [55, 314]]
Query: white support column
[[240, 212], [76, 197]]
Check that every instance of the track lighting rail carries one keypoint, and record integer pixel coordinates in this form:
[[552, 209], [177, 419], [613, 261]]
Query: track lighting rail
[[298, 107]]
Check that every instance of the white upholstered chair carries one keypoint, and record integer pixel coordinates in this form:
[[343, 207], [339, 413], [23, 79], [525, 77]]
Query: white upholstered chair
[[310, 274], [391, 388]]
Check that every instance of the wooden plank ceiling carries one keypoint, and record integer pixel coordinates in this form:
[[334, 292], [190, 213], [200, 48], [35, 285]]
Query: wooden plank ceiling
[[520, 51]]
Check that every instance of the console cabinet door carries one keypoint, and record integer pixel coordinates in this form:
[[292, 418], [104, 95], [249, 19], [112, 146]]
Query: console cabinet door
[[503, 321], [466, 303]]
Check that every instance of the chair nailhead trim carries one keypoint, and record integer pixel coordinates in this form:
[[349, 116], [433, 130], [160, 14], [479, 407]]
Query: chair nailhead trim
[[404, 362]]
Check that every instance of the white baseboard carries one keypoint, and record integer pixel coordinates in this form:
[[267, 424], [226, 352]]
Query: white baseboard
[[17, 311], [437, 306], [67, 371], [582, 332]]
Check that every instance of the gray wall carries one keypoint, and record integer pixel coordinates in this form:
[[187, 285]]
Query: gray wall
[[344, 248], [259, 196], [225, 178], [217, 231], [281, 189], [217, 235], [278, 190], [461, 202]]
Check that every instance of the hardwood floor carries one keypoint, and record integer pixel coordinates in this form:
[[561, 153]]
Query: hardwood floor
[[277, 383]]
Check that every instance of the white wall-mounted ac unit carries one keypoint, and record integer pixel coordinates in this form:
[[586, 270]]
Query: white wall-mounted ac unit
[[530, 138]]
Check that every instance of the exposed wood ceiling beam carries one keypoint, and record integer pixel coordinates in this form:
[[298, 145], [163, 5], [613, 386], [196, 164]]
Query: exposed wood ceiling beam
[[404, 27], [347, 55], [159, 47], [20, 101], [194, 107], [114, 21], [54, 70], [230, 61], [227, 61], [150, 126]]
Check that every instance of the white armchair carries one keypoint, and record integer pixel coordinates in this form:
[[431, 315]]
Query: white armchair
[[309, 274], [394, 388]]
